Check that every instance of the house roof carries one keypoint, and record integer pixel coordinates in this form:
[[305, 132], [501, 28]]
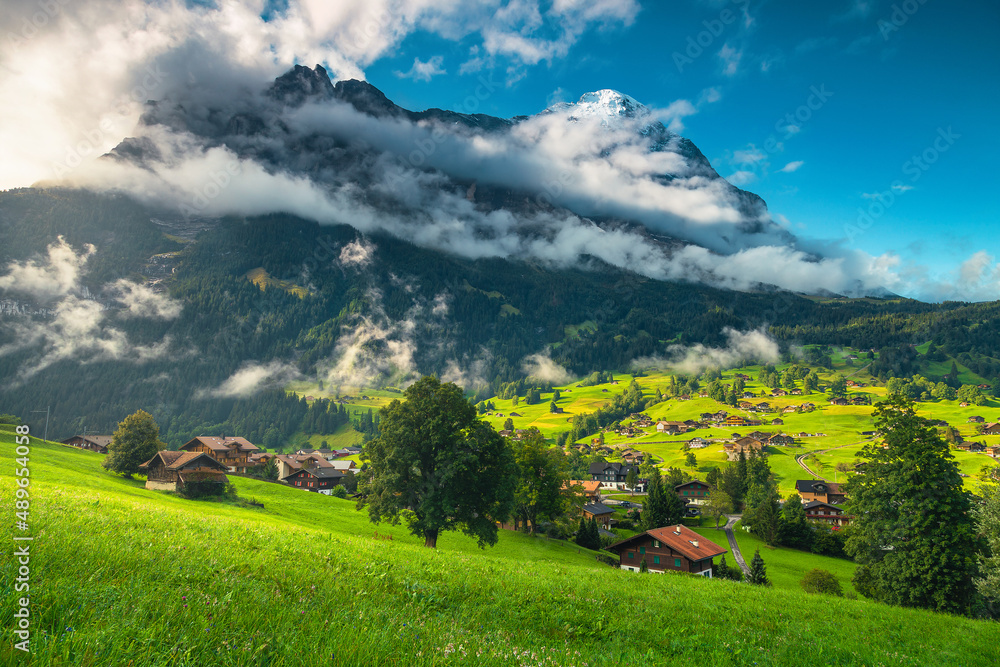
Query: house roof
[[681, 539], [819, 503], [693, 481], [224, 444], [808, 486], [318, 473], [589, 486], [99, 440], [173, 460], [597, 509]]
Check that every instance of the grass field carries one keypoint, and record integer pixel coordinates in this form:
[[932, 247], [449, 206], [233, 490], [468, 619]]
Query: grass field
[[121, 575]]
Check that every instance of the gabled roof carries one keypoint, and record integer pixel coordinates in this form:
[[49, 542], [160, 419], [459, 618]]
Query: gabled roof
[[597, 509], [177, 460], [223, 444], [318, 473], [589, 486], [99, 440], [819, 503], [679, 538], [693, 481], [808, 486]]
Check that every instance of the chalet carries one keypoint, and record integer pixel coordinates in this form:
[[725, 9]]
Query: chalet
[[611, 474], [779, 392], [994, 451], [778, 421], [819, 490], [514, 414], [93, 443], [234, 453], [598, 511], [320, 480], [587, 488], [802, 434], [763, 406], [754, 422], [836, 400], [170, 471], [735, 420], [983, 386], [746, 445], [749, 394], [741, 376], [697, 443], [694, 492], [860, 400], [963, 404], [974, 419], [991, 429], [796, 392], [790, 409], [668, 549], [819, 511], [288, 465], [781, 439], [851, 383], [745, 405], [671, 428]]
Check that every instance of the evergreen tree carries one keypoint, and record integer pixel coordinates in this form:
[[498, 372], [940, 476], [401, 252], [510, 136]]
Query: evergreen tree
[[583, 533], [912, 532], [643, 567], [135, 441], [793, 528], [758, 571]]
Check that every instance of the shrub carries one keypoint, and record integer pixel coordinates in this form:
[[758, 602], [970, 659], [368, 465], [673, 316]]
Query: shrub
[[339, 491], [821, 581]]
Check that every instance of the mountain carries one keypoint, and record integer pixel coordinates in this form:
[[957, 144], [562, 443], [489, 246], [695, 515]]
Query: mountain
[[364, 268]]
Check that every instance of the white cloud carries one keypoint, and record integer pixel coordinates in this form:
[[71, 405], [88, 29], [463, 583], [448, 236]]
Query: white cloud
[[357, 253], [792, 166], [52, 277], [141, 301], [730, 57], [742, 347], [540, 366], [742, 177], [424, 71], [251, 378]]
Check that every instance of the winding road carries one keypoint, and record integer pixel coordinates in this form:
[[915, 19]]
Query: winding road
[[733, 546], [800, 458]]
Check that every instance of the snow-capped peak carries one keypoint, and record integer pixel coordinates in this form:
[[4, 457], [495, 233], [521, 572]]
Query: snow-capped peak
[[608, 103]]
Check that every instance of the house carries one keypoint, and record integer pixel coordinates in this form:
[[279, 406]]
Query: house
[[694, 492], [974, 419], [994, 451], [170, 471], [735, 420], [817, 489], [779, 392], [963, 404], [746, 445], [588, 488], [781, 439], [778, 421], [93, 443], [836, 400], [991, 429], [763, 406], [234, 453], [697, 443], [668, 549], [796, 392], [817, 510], [749, 394], [598, 511], [861, 399], [288, 465], [789, 409], [671, 428], [612, 475], [320, 480]]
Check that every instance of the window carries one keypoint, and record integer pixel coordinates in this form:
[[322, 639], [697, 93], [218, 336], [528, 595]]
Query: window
[[685, 493], [656, 543], [642, 550], [656, 560], [677, 562], [631, 554]]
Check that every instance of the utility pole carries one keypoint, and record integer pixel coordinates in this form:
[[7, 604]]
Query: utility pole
[[45, 435]]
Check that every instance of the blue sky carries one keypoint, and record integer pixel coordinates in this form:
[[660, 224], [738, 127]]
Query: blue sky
[[869, 86]]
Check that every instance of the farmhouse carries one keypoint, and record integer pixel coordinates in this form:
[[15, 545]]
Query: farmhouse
[[234, 453], [598, 511], [694, 491], [320, 480], [93, 443], [697, 443], [819, 511], [817, 489], [668, 549], [735, 420], [778, 421], [671, 428], [170, 471], [991, 429], [976, 419], [611, 474], [588, 488], [781, 439], [836, 400]]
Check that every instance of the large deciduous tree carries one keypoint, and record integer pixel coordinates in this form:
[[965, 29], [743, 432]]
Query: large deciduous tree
[[988, 521], [912, 531], [135, 441], [436, 460], [540, 492]]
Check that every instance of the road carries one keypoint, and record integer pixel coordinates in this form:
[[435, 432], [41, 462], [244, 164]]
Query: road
[[733, 546], [800, 459]]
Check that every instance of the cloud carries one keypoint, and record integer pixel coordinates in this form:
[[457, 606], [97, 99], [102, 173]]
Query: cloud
[[49, 278], [742, 347], [540, 366], [730, 57], [792, 166], [424, 71], [74, 326], [251, 378], [742, 177], [357, 253], [470, 373]]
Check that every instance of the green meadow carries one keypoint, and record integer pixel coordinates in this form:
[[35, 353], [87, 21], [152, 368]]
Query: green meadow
[[121, 575]]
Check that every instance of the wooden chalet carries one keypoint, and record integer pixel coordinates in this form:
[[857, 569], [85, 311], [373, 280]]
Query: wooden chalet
[[169, 470], [234, 453], [992, 429], [746, 444], [668, 549], [836, 400], [735, 420], [817, 510], [589, 489], [781, 439], [994, 451], [778, 421], [599, 511], [820, 490], [694, 492], [288, 465], [93, 443], [976, 419], [611, 474], [320, 480], [671, 427]]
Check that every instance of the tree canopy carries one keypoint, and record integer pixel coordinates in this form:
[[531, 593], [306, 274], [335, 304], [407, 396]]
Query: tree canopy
[[435, 460], [540, 492], [912, 532], [135, 441]]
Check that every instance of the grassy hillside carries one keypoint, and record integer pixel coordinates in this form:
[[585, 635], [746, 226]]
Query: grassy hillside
[[122, 575]]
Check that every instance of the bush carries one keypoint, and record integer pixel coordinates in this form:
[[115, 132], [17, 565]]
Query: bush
[[828, 542], [608, 558], [339, 492], [821, 581]]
